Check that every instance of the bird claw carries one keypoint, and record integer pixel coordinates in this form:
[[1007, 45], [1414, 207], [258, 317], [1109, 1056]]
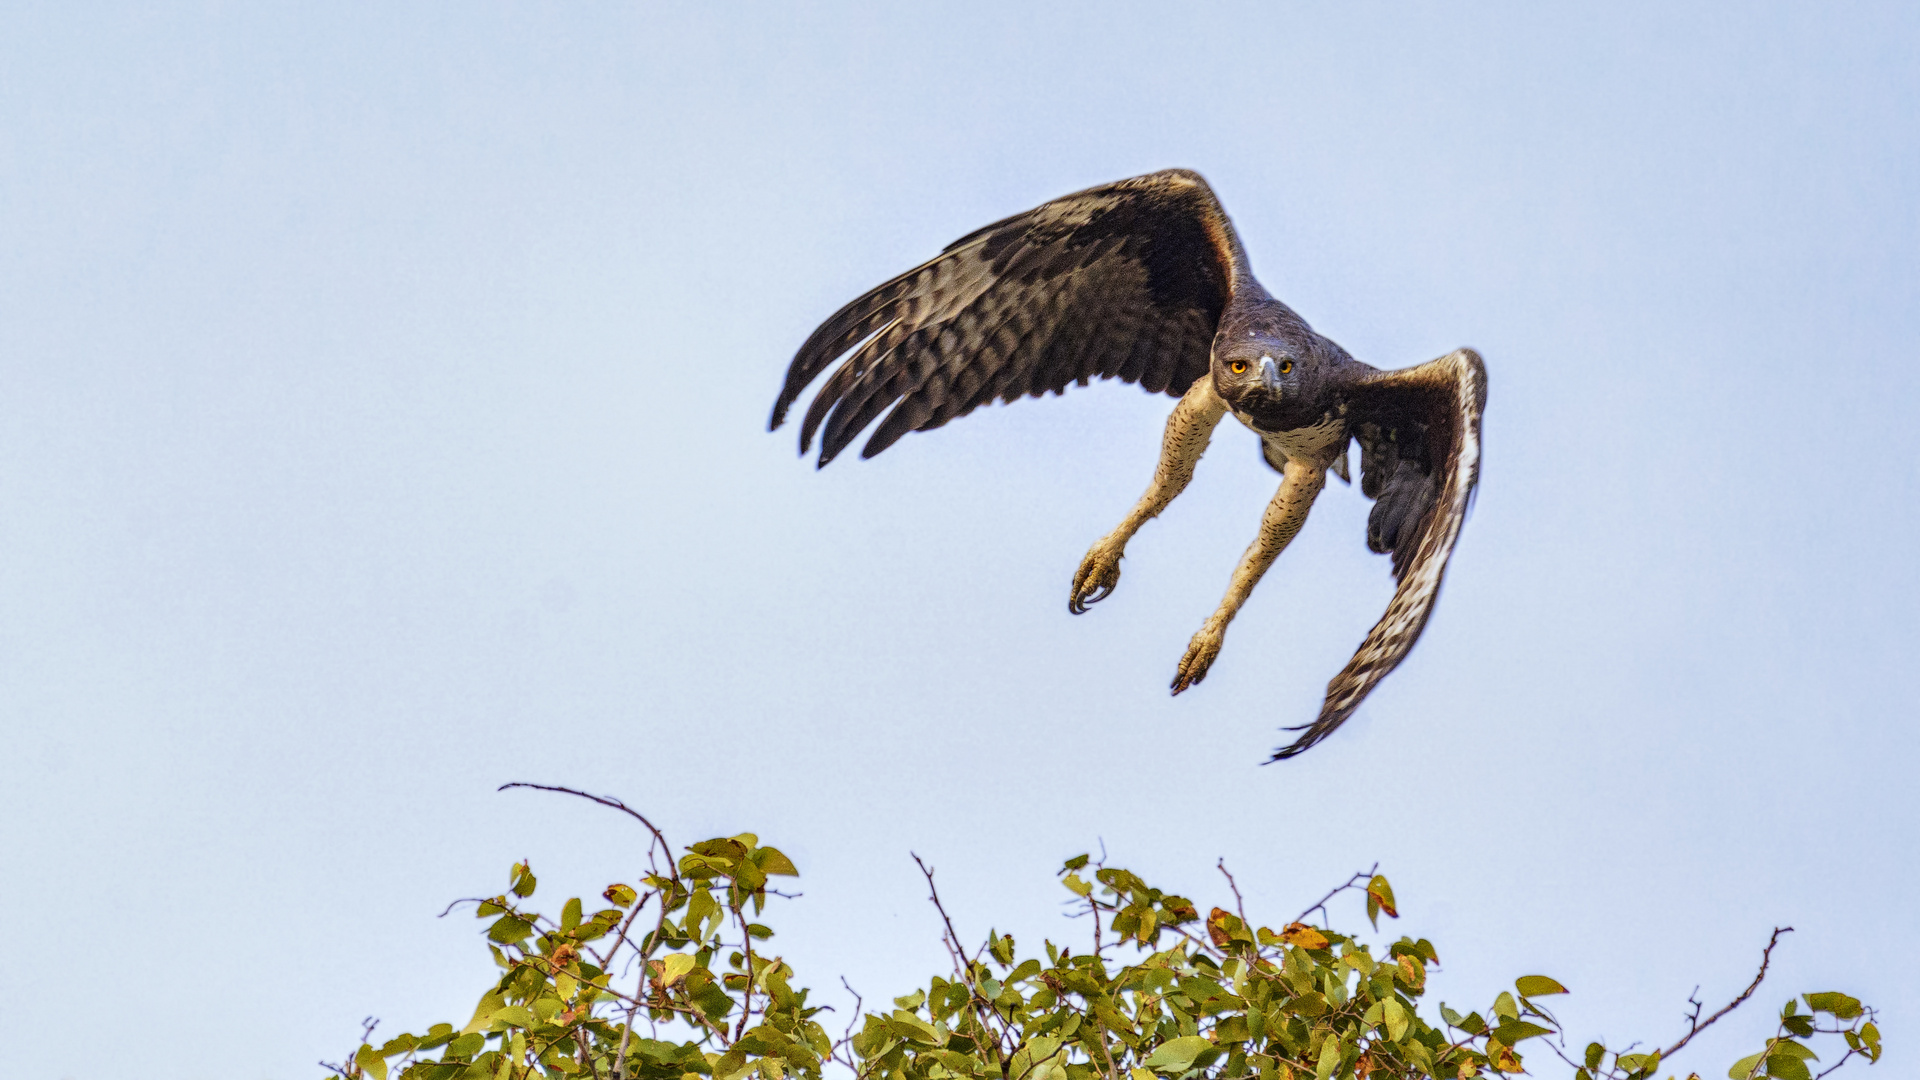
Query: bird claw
[[1099, 573], [1200, 654]]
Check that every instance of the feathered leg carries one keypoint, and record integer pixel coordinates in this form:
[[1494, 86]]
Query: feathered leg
[[1300, 483], [1188, 430]]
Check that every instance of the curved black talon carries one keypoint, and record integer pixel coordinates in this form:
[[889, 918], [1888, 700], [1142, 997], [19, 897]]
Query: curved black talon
[[1079, 601]]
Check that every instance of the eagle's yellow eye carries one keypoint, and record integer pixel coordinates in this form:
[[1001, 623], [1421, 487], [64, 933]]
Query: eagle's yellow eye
[[1286, 366], [1238, 367]]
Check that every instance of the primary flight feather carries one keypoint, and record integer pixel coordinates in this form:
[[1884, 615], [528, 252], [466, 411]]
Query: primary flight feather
[[1144, 280]]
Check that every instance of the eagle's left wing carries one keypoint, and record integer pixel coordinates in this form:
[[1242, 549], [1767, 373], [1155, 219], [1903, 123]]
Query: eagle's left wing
[[1126, 280], [1419, 435]]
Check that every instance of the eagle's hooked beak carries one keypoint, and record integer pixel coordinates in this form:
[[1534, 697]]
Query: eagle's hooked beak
[[1269, 375]]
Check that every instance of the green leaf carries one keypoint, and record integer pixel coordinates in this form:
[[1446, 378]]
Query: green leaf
[[734, 1060], [371, 1060], [523, 880], [1595, 1051], [619, 895], [1513, 1031], [570, 915], [509, 929], [772, 861], [912, 1027], [467, 1045], [1537, 986], [483, 1013], [1788, 1046], [1504, 1006], [1840, 1005], [1638, 1063], [1452, 1018], [1329, 1059], [1176, 1055], [515, 1015], [1787, 1067], [1075, 863], [1397, 1019]]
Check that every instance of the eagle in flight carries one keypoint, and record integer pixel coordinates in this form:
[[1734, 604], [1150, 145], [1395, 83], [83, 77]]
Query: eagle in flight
[[1144, 280]]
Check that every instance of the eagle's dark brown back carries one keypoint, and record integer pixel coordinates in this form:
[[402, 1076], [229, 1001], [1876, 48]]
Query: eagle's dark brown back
[[1127, 280]]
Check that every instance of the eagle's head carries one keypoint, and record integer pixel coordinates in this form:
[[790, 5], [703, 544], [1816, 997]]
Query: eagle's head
[[1270, 366]]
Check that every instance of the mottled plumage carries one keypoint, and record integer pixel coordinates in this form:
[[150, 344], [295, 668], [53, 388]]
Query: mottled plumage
[[1145, 281]]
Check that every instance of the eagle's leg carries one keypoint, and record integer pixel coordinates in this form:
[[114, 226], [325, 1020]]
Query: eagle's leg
[[1188, 430], [1301, 482]]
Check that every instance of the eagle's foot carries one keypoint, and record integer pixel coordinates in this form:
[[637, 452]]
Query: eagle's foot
[[1098, 574], [1200, 653]]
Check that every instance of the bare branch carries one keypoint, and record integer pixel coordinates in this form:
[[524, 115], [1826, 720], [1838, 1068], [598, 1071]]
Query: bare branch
[[604, 800], [1357, 881], [746, 939], [1239, 905], [859, 1009], [1695, 1026], [952, 938]]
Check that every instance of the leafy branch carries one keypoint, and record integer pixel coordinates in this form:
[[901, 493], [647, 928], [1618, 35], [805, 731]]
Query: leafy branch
[[1164, 993]]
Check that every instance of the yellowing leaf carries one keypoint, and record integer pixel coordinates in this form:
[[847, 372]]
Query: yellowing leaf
[[1304, 936], [1217, 927], [1537, 986], [673, 967], [1413, 972], [1382, 894]]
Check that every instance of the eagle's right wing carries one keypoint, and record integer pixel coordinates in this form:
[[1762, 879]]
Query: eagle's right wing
[[1127, 280], [1419, 435]]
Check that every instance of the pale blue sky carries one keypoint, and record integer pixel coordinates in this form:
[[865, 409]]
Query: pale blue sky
[[382, 394]]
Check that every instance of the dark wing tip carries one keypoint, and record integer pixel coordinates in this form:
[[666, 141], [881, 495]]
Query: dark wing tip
[[1331, 717]]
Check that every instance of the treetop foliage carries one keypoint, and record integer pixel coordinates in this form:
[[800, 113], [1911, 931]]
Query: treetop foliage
[[676, 979]]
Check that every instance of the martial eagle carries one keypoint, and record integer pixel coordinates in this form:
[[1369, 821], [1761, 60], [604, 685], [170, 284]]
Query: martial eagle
[[1145, 281]]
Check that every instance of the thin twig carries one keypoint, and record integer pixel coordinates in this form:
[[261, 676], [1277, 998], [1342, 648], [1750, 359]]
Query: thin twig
[[1693, 1028], [746, 998], [603, 800], [1239, 905], [1352, 882], [859, 1010], [962, 965], [953, 938]]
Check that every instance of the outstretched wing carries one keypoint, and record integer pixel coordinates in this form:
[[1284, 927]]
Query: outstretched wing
[[1419, 435], [1125, 281]]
